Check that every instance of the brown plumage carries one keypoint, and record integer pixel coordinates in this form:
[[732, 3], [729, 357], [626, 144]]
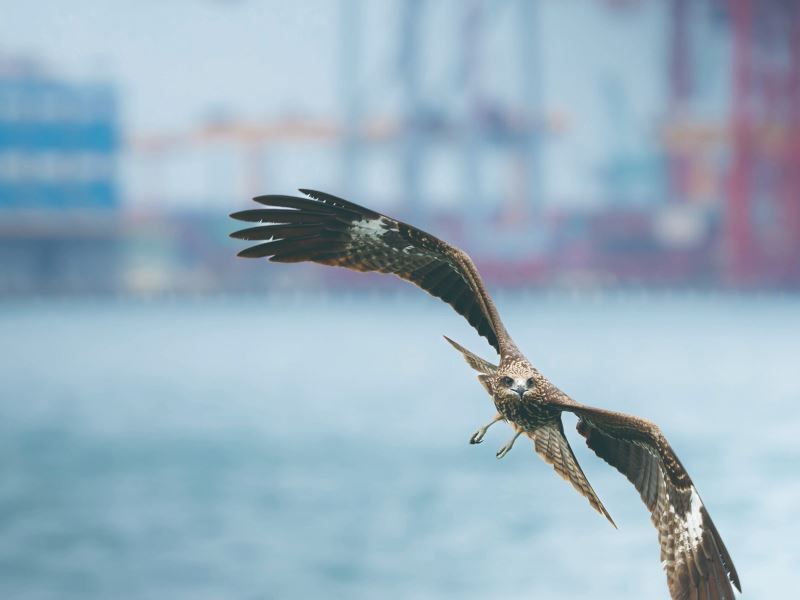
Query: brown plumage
[[332, 231], [329, 230]]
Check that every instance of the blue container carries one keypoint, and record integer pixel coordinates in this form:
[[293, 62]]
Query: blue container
[[59, 143]]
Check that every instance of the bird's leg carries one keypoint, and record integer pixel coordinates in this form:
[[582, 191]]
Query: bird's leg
[[509, 444], [477, 437]]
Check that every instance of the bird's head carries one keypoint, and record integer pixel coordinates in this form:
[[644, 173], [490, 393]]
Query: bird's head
[[516, 380]]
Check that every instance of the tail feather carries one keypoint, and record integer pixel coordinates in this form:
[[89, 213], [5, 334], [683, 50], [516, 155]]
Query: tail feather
[[474, 361], [552, 445]]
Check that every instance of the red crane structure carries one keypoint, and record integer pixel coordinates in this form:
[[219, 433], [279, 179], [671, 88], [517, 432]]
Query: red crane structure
[[762, 212], [727, 212], [758, 143]]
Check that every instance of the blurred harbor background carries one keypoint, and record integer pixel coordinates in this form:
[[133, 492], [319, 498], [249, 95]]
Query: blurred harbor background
[[564, 144], [179, 423]]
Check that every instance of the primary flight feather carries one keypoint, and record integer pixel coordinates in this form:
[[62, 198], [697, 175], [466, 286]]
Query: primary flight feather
[[328, 230]]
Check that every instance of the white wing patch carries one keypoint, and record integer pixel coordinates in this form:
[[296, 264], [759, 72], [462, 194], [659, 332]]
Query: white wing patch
[[693, 532], [370, 228], [694, 520], [370, 231]]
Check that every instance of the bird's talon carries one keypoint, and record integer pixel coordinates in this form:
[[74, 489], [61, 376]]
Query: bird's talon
[[501, 453], [477, 437]]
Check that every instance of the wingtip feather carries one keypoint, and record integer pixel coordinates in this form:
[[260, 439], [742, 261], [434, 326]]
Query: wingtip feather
[[245, 254], [315, 194], [237, 215], [240, 234]]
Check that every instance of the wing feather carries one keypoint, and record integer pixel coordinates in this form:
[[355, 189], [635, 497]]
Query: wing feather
[[268, 232], [264, 215], [552, 445], [328, 230], [473, 360], [693, 554]]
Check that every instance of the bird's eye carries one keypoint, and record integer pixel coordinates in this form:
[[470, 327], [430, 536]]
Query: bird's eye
[[530, 382], [507, 381]]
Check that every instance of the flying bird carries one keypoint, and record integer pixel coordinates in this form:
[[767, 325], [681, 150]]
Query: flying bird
[[324, 229]]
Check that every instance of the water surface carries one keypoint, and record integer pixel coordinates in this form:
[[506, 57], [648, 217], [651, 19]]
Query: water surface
[[300, 448]]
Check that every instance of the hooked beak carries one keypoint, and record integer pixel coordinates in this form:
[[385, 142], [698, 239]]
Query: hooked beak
[[520, 389]]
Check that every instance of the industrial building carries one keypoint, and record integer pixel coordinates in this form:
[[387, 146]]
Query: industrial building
[[59, 198], [715, 200], [712, 199]]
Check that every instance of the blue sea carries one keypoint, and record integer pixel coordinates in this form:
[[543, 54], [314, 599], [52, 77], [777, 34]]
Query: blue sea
[[298, 447]]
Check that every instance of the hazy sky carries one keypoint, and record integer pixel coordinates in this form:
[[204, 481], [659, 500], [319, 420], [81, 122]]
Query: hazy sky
[[178, 61]]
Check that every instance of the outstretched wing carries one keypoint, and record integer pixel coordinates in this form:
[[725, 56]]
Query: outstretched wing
[[332, 231], [697, 563], [552, 445]]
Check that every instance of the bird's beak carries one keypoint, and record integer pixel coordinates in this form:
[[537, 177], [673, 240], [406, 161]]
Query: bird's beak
[[520, 389]]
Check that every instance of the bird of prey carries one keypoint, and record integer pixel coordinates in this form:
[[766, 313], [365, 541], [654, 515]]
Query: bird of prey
[[324, 229]]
